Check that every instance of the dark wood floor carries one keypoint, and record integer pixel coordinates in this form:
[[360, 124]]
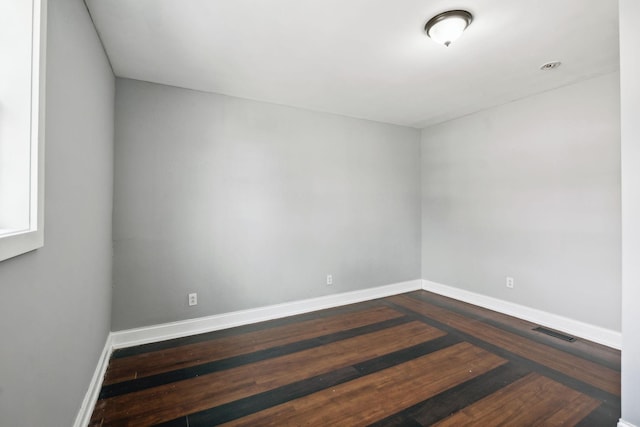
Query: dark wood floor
[[409, 360]]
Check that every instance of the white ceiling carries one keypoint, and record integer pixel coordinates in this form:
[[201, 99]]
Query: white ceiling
[[361, 58]]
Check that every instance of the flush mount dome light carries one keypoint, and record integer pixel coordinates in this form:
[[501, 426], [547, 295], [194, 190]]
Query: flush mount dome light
[[446, 27]]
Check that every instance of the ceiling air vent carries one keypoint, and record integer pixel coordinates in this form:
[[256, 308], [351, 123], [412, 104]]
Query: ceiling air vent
[[550, 65]]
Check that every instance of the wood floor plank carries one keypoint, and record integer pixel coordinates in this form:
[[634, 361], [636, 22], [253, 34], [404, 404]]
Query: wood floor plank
[[182, 374], [456, 398], [376, 396], [589, 372], [259, 402], [173, 400], [146, 364], [583, 348], [532, 401]]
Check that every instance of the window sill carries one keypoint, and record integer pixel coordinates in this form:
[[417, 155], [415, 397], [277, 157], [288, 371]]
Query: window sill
[[12, 245]]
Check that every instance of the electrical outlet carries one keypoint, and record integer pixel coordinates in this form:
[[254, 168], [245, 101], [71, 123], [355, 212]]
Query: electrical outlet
[[329, 279], [193, 299], [509, 282]]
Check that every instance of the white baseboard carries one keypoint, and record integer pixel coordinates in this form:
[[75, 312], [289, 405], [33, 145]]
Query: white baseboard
[[91, 397], [570, 326], [623, 423], [165, 331]]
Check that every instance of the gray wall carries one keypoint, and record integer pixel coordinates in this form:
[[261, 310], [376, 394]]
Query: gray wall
[[530, 190], [250, 204], [630, 89], [55, 302]]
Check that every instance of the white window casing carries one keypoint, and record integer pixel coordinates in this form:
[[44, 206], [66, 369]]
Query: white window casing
[[22, 118]]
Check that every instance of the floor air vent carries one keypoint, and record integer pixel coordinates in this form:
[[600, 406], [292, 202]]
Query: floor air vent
[[554, 334]]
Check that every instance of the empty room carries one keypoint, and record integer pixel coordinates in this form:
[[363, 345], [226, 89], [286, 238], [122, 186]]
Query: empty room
[[305, 212]]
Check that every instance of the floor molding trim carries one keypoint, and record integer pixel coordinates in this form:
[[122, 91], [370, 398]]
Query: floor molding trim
[[573, 327], [165, 331], [91, 397], [623, 423]]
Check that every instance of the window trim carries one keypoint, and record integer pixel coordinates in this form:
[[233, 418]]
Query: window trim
[[15, 244]]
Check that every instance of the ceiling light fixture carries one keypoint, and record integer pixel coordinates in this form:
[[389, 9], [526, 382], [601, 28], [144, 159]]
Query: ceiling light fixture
[[446, 27]]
